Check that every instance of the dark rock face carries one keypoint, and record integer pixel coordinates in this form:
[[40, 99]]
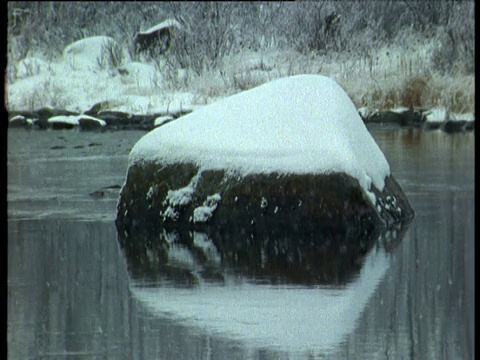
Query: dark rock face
[[417, 118], [115, 120], [156, 40], [453, 126], [405, 118], [154, 43], [180, 196], [61, 126], [87, 123], [312, 229], [18, 121]]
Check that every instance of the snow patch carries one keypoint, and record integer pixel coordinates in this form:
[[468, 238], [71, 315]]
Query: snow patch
[[74, 119], [163, 25], [462, 117], [89, 53], [371, 196], [139, 75], [367, 112], [176, 199], [437, 115], [31, 66], [162, 120], [263, 203], [400, 110], [180, 197], [150, 192], [300, 124], [170, 214], [204, 213]]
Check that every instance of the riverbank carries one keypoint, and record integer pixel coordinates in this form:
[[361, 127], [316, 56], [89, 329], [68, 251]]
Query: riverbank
[[96, 118]]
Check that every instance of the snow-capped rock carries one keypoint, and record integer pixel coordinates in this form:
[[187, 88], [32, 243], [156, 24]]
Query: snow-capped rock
[[296, 140]]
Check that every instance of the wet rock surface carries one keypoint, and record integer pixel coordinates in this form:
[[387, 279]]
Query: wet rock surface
[[44, 118], [417, 118]]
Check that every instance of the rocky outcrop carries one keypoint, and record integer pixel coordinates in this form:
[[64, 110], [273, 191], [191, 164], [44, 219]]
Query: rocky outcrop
[[157, 39], [426, 119], [114, 120], [120, 120], [156, 196], [404, 118]]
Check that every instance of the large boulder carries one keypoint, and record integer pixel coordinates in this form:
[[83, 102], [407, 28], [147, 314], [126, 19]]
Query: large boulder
[[93, 53], [155, 40], [289, 157]]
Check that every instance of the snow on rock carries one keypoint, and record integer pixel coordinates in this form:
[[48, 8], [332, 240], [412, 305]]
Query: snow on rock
[[179, 197], [203, 213], [20, 121], [75, 120], [301, 124], [176, 199], [64, 119], [91, 53], [400, 110], [291, 156], [462, 117], [162, 120], [367, 112], [437, 115], [163, 25]]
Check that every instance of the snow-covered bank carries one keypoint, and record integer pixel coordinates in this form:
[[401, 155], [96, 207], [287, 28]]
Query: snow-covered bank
[[91, 71], [96, 69]]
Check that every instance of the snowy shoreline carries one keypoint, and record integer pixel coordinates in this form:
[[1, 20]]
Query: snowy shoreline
[[96, 118], [92, 78]]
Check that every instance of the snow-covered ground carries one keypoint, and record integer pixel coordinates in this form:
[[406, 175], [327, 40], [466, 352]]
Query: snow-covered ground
[[86, 75], [96, 69]]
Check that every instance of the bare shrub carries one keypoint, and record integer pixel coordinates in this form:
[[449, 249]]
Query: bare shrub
[[411, 94], [208, 34], [111, 55]]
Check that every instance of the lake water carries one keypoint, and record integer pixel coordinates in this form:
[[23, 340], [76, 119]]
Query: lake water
[[73, 292]]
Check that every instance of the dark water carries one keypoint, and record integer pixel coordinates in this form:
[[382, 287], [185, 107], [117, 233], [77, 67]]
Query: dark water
[[72, 292]]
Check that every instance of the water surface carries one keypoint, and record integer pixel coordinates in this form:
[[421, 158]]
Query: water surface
[[73, 293]]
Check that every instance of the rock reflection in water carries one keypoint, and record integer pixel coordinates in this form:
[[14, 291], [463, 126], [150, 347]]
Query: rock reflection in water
[[188, 258], [286, 293]]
